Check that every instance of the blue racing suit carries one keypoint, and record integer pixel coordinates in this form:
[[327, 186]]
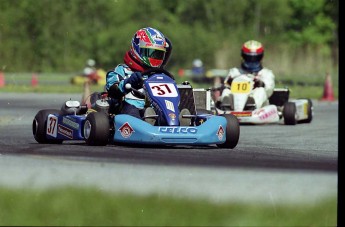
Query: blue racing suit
[[115, 85]]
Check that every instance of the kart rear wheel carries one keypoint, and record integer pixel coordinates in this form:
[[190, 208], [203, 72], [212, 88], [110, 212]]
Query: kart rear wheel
[[39, 126], [232, 131], [289, 113], [96, 129], [310, 112]]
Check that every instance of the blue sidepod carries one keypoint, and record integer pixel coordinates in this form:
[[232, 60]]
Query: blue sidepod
[[65, 127], [129, 129]]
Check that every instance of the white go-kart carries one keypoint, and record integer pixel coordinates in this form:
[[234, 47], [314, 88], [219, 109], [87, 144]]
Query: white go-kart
[[241, 104]]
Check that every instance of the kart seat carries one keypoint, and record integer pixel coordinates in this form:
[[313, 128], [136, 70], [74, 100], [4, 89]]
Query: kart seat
[[187, 98]]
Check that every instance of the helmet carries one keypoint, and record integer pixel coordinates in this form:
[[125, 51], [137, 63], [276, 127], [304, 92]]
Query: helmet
[[91, 62], [197, 63], [148, 46], [88, 71], [252, 53]]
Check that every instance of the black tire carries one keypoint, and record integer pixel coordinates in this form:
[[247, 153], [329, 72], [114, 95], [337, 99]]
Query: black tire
[[289, 113], [39, 127], [310, 113], [96, 129], [232, 132]]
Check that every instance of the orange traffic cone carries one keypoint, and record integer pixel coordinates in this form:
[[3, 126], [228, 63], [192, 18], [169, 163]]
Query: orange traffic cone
[[34, 80], [180, 72], [86, 94], [328, 94], [2, 79]]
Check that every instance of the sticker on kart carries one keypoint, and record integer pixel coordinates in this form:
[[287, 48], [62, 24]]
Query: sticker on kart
[[178, 130], [163, 89], [52, 125]]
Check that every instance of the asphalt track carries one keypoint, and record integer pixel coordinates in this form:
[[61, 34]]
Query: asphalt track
[[271, 163]]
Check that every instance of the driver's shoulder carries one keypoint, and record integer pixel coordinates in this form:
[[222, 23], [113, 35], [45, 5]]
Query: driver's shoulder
[[123, 69], [265, 70], [235, 71]]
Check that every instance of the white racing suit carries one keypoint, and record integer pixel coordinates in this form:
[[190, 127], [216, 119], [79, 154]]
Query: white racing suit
[[259, 94]]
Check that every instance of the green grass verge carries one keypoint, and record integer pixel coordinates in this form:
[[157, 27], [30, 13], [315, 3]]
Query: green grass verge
[[312, 92], [47, 89], [60, 83], [92, 207]]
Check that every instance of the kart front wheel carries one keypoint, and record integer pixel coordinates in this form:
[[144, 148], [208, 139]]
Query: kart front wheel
[[289, 113], [232, 131], [39, 126], [96, 129]]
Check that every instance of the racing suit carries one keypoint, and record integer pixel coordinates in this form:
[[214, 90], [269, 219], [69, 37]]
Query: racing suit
[[130, 103], [263, 88]]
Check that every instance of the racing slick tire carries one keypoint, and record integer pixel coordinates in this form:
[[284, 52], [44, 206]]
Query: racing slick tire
[[310, 113], [289, 113], [232, 132], [96, 129], [39, 127]]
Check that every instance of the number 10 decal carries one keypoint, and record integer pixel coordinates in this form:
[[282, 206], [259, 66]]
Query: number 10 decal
[[52, 125], [240, 87], [163, 89]]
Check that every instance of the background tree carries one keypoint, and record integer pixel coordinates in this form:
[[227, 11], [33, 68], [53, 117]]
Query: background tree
[[300, 37]]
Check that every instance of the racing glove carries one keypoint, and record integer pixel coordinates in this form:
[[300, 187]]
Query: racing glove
[[135, 80], [115, 92], [258, 83]]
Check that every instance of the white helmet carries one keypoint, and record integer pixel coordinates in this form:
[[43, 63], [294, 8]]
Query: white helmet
[[88, 71], [91, 62], [197, 63]]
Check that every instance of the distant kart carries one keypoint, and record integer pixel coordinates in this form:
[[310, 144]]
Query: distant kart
[[172, 119], [240, 104], [97, 78]]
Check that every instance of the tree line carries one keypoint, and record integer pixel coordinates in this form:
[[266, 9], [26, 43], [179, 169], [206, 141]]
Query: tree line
[[51, 36]]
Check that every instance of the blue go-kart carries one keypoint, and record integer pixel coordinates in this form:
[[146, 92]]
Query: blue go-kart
[[171, 118]]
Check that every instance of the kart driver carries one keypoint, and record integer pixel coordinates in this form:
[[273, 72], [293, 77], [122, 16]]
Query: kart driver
[[252, 53], [149, 49], [90, 70]]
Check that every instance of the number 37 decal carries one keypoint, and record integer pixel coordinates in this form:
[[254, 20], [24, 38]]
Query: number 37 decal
[[52, 125], [163, 89]]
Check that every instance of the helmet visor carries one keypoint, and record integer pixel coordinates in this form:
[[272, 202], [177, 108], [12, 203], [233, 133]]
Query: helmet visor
[[152, 53], [252, 58]]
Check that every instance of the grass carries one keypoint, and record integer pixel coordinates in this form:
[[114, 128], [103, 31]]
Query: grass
[[312, 87], [92, 207], [47, 89], [296, 91]]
